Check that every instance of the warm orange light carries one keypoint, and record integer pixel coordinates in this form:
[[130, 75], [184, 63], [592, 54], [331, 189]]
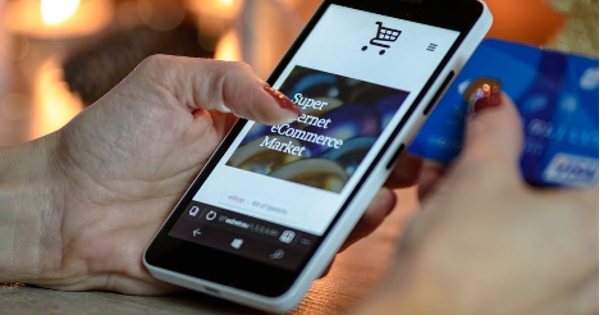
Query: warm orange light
[[214, 17], [57, 19], [56, 11], [534, 22], [228, 47], [55, 105], [221, 8]]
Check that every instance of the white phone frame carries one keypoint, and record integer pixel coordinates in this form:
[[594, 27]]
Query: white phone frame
[[354, 211]]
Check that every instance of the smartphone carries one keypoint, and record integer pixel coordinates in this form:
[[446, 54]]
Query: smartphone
[[273, 205]]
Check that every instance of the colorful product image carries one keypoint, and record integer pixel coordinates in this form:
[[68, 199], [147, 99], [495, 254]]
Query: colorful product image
[[322, 148]]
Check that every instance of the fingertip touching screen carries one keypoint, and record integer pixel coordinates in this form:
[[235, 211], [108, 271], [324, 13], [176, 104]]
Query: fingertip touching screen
[[277, 189]]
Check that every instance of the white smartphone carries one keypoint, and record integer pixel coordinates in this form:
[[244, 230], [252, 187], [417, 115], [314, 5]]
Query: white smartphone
[[273, 205]]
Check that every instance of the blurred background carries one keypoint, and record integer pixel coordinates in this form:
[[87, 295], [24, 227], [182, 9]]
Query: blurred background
[[59, 56]]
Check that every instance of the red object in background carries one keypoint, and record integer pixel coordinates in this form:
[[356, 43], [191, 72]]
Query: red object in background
[[525, 21]]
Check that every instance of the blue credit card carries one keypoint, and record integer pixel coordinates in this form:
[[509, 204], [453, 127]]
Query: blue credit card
[[557, 97]]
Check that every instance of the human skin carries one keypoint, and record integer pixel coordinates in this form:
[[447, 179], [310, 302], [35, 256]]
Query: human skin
[[79, 206], [487, 243]]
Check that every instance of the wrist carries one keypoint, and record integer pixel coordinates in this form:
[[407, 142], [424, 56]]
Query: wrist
[[28, 219], [432, 279], [414, 288], [418, 286]]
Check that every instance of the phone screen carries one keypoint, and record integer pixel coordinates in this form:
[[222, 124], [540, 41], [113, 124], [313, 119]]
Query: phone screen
[[276, 189]]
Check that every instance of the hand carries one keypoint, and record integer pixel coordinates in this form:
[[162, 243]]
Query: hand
[[486, 243], [120, 166]]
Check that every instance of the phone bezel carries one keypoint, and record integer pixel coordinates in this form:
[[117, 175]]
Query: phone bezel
[[202, 262]]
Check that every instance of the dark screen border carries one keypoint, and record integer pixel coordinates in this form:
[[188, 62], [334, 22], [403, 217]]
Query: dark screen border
[[202, 262]]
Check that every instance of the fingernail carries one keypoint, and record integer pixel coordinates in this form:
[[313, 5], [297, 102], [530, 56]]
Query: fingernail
[[487, 95], [282, 100]]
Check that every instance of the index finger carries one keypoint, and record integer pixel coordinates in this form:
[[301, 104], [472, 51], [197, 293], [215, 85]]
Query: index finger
[[219, 85]]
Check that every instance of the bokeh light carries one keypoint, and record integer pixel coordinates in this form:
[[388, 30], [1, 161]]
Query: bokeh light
[[56, 11]]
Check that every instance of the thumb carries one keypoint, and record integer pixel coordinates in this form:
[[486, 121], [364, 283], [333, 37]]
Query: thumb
[[204, 84], [494, 132]]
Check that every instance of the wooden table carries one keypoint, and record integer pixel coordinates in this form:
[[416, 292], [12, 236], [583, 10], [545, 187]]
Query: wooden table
[[355, 274]]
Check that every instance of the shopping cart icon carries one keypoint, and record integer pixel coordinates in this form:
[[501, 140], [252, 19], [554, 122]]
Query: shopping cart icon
[[385, 36]]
